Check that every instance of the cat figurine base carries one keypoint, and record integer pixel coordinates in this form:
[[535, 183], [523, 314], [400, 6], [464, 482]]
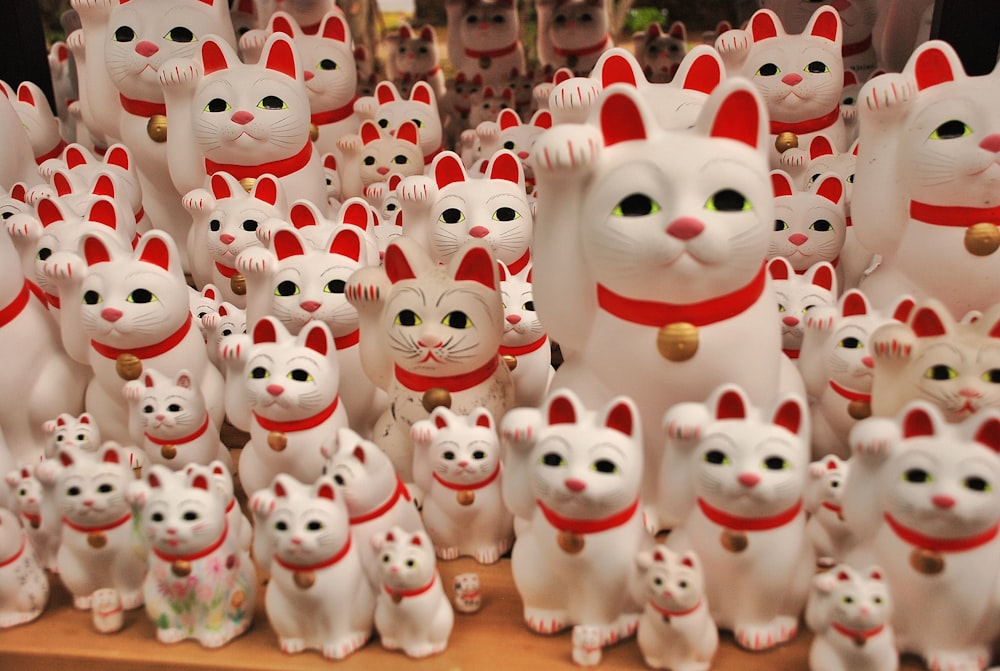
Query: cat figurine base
[[24, 587]]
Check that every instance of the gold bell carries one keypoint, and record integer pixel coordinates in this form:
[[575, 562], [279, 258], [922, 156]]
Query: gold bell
[[247, 183], [238, 283], [128, 366], [785, 141], [982, 239], [277, 440], [168, 451], [97, 540], [465, 497], [156, 128], [510, 361], [313, 132], [859, 409], [733, 541], [927, 562], [181, 568], [304, 579], [434, 397], [678, 341]]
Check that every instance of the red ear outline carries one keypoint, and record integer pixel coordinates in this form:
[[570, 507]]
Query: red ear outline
[[620, 419], [789, 416], [823, 277], [408, 132], [333, 29], [118, 156], [317, 340], [621, 120], [102, 211], [779, 268], [94, 251], [932, 68], [703, 75], [730, 406], [854, 304], [827, 23], [369, 132], [347, 243], [213, 58], [738, 118], [155, 251], [927, 324], [762, 26], [325, 491], [820, 146], [280, 24], [618, 70], [831, 188], [561, 411], [200, 482], [385, 93], [265, 189], [264, 332], [508, 119], [286, 244], [302, 215], [917, 423], [281, 57], [780, 184], [396, 266], [506, 166], [48, 212], [220, 187], [448, 169], [477, 265]]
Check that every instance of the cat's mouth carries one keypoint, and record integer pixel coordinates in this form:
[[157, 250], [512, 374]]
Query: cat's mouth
[[430, 357]]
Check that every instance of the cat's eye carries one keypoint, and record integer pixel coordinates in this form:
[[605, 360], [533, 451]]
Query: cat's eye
[[448, 455], [91, 297], [635, 205], [950, 130], [411, 563], [300, 375], [849, 100], [509, 144], [683, 584], [191, 516], [780, 225], [529, 306], [327, 64], [821, 225], [781, 308], [60, 439], [368, 160], [850, 342], [335, 287], [402, 49], [418, 122], [835, 484], [658, 581], [848, 599], [44, 253], [940, 372], [286, 288], [339, 479], [249, 225], [506, 214], [156, 517], [408, 318], [73, 491], [553, 459], [383, 123], [259, 373], [452, 215], [217, 105], [147, 409], [992, 376], [386, 559], [227, 332], [124, 34], [174, 407], [105, 488], [716, 457], [499, 18], [728, 200], [399, 159], [604, 466], [850, 178], [478, 455], [215, 225], [817, 68], [560, 19], [977, 484], [813, 179], [391, 207], [917, 475], [776, 463], [272, 103], [141, 296], [180, 34], [586, 16], [22, 492], [314, 525], [807, 308], [457, 320], [767, 70], [281, 526], [472, 19], [877, 600]]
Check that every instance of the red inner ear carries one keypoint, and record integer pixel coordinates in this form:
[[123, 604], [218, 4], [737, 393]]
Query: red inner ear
[[19, 192], [118, 157], [831, 465], [330, 162], [427, 33], [396, 266], [264, 332], [927, 324], [95, 252], [301, 216], [703, 75], [448, 169], [280, 24], [347, 243], [917, 423], [61, 182], [416, 541], [687, 562], [842, 576], [421, 93], [75, 157], [478, 266], [854, 304], [440, 422], [789, 416], [357, 215], [730, 406], [154, 481], [988, 434], [200, 482], [738, 118], [48, 212], [220, 187], [820, 146], [506, 166], [677, 30], [620, 419], [823, 277], [904, 309], [265, 189], [103, 212], [325, 492], [407, 132], [933, 68], [621, 120], [543, 119], [213, 58], [279, 490], [209, 293], [831, 188], [827, 24], [369, 132], [281, 57], [762, 27], [617, 70], [561, 75], [779, 268], [658, 556], [317, 340], [148, 380], [24, 95], [483, 421], [561, 411], [780, 185], [333, 29], [287, 244], [155, 251], [385, 93], [508, 119], [111, 457], [359, 454], [65, 459]]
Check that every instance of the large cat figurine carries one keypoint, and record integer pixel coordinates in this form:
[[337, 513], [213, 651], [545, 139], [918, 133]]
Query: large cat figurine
[[660, 51], [933, 129], [797, 295], [733, 477], [574, 476], [200, 583], [651, 295], [572, 33], [921, 497], [24, 587], [810, 225], [525, 346], [318, 597], [484, 39], [430, 334]]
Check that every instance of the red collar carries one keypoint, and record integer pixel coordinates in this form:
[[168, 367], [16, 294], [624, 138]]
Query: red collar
[[953, 215], [453, 383], [280, 168], [493, 53], [399, 594], [832, 506], [855, 48], [429, 158], [587, 526], [807, 126], [295, 568], [312, 28], [142, 108], [32, 517], [53, 301], [149, 351], [186, 439], [673, 613], [298, 424], [106, 527], [520, 264], [850, 394], [334, 115], [55, 152], [16, 306], [16, 555], [197, 555], [735, 523], [856, 634], [592, 49], [349, 340], [423, 76], [225, 271], [400, 492], [941, 544], [521, 350], [653, 313], [468, 488], [792, 353]]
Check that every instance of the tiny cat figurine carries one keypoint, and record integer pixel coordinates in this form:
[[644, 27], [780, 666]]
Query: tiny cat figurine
[[468, 597], [525, 347], [81, 432], [676, 630], [412, 612], [430, 334], [456, 104], [849, 613], [239, 524], [456, 464], [219, 326], [572, 33], [318, 597], [587, 648], [797, 295], [510, 133], [660, 51], [800, 76], [931, 118], [202, 302], [829, 533], [921, 498], [953, 364], [99, 546], [733, 476], [372, 155], [484, 39], [390, 110], [489, 103], [574, 476], [809, 226], [169, 419], [413, 57], [106, 611], [24, 588], [200, 584], [39, 517]]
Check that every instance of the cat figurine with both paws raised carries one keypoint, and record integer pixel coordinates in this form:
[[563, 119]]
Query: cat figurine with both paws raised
[[24, 587]]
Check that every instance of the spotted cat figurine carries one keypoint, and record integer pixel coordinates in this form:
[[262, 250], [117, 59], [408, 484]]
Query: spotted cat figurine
[[24, 588]]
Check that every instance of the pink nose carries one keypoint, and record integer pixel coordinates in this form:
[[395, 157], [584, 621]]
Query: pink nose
[[275, 389], [685, 228], [574, 485], [382, 170], [523, 155], [790, 321], [797, 239], [942, 501], [749, 479], [479, 231], [791, 79], [991, 143], [227, 239], [969, 393], [146, 48], [513, 319], [308, 75], [868, 361], [242, 117], [483, 25], [463, 464], [111, 314], [309, 306], [160, 417]]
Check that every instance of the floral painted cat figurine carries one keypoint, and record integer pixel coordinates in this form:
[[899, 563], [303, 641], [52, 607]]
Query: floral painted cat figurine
[[809, 226], [572, 33], [921, 499], [830, 535], [484, 39], [412, 612], [574, 476], [429, 334], [38, 516], [24, 587], [733, 477], [200, 583], [456, 463], [660, 51], [318, 597], [797, 295]]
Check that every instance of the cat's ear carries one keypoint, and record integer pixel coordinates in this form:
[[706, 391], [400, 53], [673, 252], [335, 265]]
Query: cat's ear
[[19, 192], [369, 132], [154, 480], [447, 169], [279, 489], [831, 187], [184, 380], [618, 66], [223, 185], [427, 33], [506, 166], [542, 119], [735, 111], [148, 380], [347, 243], [701, 70], [75, 156], [326, 491], [66, 458], [265, 189], [678, 30], [386, 92], [988, 433], [422, 93], [216, 55], [408, 132], [689, 559], [621, 416], [876, 573], [482, 417], [286, 243], [621, 116], [201, 482], [823, 275], [209, 291], [103, 186], [158, 249], [904, 307], [396, 265], [111, 455], [303, 213], [934, 62], [334, 28], [927, 322], [476, 264], [86, 418], [843, 576], [279, 56], [781, 183], [917, 421], [316, 337], [417, 540], [508, 118], [60, 180], [730, 403], [48, 212], [562, 408], [119, 156], [825, 23], [764, 25], [502, 273], [779, 268], [264, 331], [356, 212], [853, 303], [94, 250], [790, 414], [280, 24], [820, 146]]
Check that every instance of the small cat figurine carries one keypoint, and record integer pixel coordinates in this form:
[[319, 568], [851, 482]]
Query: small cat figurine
[[849, 613], [239, 524], [484, 39], [510, 133], [733, 476], [456, 463], [572, 33], [827, 530], [921, 499], [660, 51], [489, 103], [390, 110], [412, 612], [169, 420], [38, 516], [430, 334], [200, 583], [371, 155], [43, 127], [676, 630], [99, 546], [81, 432], [809, 226], [574, 476], [317, 597], [525, 347], [219, 326], [413, 57], [797, 295], [468, 597], [24, 587]]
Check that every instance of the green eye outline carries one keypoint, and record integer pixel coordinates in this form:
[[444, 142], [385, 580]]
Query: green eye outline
[[278, 291], [291, 375], [416, 320], [194, 38], [824, 226], [977, 484], [937, 134], [259, 373], [992, 376], [718, 202], [636, 205], [605, 466], [461, 216], [114, 35], [917, 476], [780, 225], [940, 372], [776, 463], [208, 107], [454, 315], [850, 342], [808, 68], [777, 71], [271, 106], [131, 298], [716, 457], [321, 66], [552, 460], [515, 217]]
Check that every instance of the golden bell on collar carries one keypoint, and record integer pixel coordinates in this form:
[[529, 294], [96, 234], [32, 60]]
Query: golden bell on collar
[[156, 128], [982, 239], [128, 366], [785, 141], [238, 283], [678, 341], [168, 451], [313, 132], [247, 183], [434, 397]]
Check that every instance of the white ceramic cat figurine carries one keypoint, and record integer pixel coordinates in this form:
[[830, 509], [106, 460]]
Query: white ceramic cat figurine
[[318, 597], [484, 39], [169, 420], [456, 464], [525, 347], [650, 295], [430, 334], [412, 56], [200, 584], [510, 133], [39, 517], [81, 432], [572, 33], [849, 612], [676, 630], [733, 477], [827, 530], [931, 118], [42, 125], [219, 326], [24, 587], [800, 76], [390, 110], [797, 295], [22, 167], [838, 365], [371, 155], [809, 226], [412, 612], [282, 389], [489, 103], [574, 476], [921, 498], [239, 524], [99, 546], [660, 51]]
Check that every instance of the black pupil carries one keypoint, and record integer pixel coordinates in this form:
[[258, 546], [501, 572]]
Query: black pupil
[[124, 34], [822, 225], [327, 64], [977, 484], [147, 409], [299, 375], [779, 224], [73, 491], [452, 215], [142, 296], [336, 286], [478, 454], [383, 123], [918, 475], [105, 488], [181, 34], [217, 105], [250, 225], [506, 214], [44, 253], [407, 318], [287, 288], [636, 205], [816, 67], [768, 69], [951, 129], [91, 297], [272, 103], [992, 375], [604, 466], [940, 372], [850, 343], [509, 145], [157, 517], [551, 459], [369, 160], [774, 463], [729, 200], [458, 320], [173, 407], [314, 525], [258, 372], [215, 225], [190, 516], [449, 456], [715, 457], [399, 159]]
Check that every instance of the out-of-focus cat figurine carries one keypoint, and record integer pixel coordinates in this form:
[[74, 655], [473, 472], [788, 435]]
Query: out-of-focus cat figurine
[[24, 587], [412, 56], [525, 346], [371, 155], [829, 533], [660, 51], [484, 38], [572, 33], [389, 109], [40, 518]]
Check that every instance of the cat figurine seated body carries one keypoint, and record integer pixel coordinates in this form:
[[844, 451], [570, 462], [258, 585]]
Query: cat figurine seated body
[[24, 587], [412, 56], [39, 517], [572, 33], [484, 39], [525, 347], [412, 612], [797, 295], [830, 535], [200, 583]]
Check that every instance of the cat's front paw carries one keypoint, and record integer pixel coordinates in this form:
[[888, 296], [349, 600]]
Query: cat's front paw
[[367, 289], [872, 439], [132, 390], [350, 144], [519, 428], [290, 646], [23, 227], [545, 621], [234, 350], [252, 44], [256, 260], [446, 553], [793, 159], [733, 44], [821, 318], [417, 189], [180, 73], [376, 193], [365, 107], [421, 433], [47, 470], [488, 130], [960, 660], [93, 7], [893, 341], [683, 423], [849, 113], [541, 94], [64, 268], [75, 43], [262, 503], [567, 148], [765, 636], [575, 95], [198, 200], [891, 91]]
